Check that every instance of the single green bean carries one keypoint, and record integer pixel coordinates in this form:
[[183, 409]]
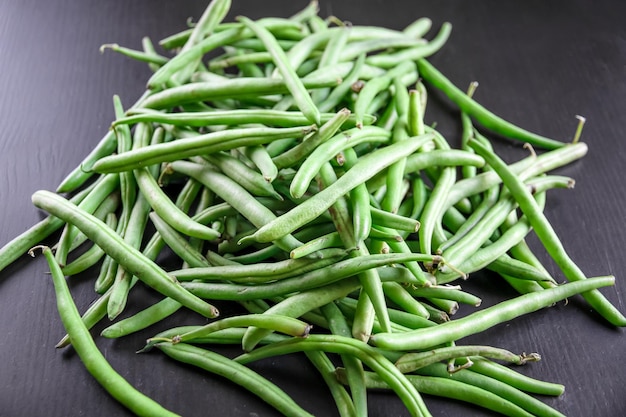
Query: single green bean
[[92, 358], [411, 362], [515, 379], [268, 117], [202, 144], [483, 116], [239, 374], [484, 319], [261, 158], [127, 256]]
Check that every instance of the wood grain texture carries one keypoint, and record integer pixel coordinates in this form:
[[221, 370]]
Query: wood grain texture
[[538, 64]]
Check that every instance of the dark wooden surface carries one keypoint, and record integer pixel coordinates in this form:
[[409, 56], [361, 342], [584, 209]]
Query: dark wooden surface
[[538, 63]]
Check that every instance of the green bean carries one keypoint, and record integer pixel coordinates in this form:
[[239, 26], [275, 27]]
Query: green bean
[[474, 238], [98, 309], [143, 319], [20, 244], [263, 161], [450, 307], [367, 46], [150, 58], [410, 362], [230, 336], [259, 272], [177, 243], [483, 116], [127, 256], [547, 235], [354, 314], [329, 240], [401, 297], [447, 293], [236, 373], [418, 28], [167, 210], [530, 166], [416, 53], [484, 319], [354, 368], [385, 235], [236, 196], [267, 117], [241, 173], [256, 45], [284, 324], [505, 264], [309, 280], [80, 174], [360, 201], [133, 236], [316, 205], [95, 363], [344, 345], [345, 404], [202, 144], [465, 247], [425, 160], [434, 208], [128, 190], [395, 173], [493, 256], [442, 387], [106, 276], [228, 88], [513, 378], [308, 12], [238, 58], [148, 48], [494, 386], [212, 16]]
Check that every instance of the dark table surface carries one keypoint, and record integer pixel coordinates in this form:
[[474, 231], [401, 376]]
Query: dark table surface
[[538, 63]]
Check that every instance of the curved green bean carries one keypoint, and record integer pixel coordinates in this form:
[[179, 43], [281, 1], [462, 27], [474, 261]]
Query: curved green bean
[[127, 256]]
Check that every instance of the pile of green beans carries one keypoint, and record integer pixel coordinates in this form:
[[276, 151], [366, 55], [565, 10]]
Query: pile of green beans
[[286, 165]]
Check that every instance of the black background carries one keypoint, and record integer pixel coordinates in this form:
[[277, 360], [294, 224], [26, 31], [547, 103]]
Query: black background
[[538, 63]]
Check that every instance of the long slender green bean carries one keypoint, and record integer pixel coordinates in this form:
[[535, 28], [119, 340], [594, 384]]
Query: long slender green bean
[[126, 255], [239, 374], [484, 319], [92, 358]]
